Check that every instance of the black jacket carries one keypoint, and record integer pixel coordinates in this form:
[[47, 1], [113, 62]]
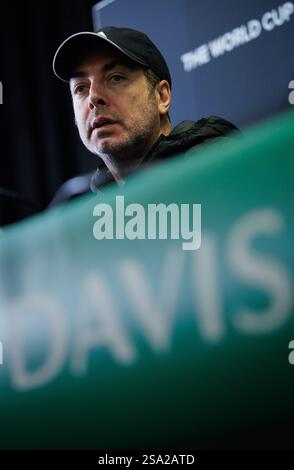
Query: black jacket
[[186, 135]]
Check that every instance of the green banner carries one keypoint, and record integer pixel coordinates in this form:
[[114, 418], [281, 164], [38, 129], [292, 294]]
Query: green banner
[[116, 332]]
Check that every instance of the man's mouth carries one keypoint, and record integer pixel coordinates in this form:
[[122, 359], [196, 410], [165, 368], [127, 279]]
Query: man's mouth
[[101, 122]]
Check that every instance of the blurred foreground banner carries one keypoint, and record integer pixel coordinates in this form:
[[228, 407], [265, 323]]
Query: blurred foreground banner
[[140, 343]]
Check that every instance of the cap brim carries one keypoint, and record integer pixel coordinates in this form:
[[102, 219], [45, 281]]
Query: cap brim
[[73, 48]]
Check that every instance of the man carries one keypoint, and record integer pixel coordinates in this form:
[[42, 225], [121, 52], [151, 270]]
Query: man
[[121, 91]]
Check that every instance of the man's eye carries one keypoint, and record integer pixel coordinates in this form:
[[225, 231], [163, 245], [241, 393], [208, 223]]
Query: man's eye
[[79, 89], [116, 78]]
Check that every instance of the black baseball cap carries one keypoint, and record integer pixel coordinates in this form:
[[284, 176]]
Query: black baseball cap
[[134, 44]]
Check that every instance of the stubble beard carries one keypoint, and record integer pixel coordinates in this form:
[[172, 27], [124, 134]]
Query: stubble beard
[[135, 143]]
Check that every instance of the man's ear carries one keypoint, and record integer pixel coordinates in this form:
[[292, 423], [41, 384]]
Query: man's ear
[[164, 96]]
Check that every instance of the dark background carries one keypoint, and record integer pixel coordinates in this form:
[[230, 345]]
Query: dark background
[[39, 149]]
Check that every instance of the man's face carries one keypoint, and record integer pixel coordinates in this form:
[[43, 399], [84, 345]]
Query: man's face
[[116, 112]]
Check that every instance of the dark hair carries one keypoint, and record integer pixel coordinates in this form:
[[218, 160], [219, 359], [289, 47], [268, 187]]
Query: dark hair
[[152, 80]]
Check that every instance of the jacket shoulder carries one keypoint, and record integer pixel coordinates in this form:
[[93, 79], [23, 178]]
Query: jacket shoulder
[[214, 126]]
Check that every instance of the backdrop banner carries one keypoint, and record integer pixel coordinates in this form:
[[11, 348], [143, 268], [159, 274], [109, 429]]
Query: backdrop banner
[[229, 58]]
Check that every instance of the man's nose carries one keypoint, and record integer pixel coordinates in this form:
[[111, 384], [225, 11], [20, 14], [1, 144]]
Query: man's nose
[[97, 96]]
